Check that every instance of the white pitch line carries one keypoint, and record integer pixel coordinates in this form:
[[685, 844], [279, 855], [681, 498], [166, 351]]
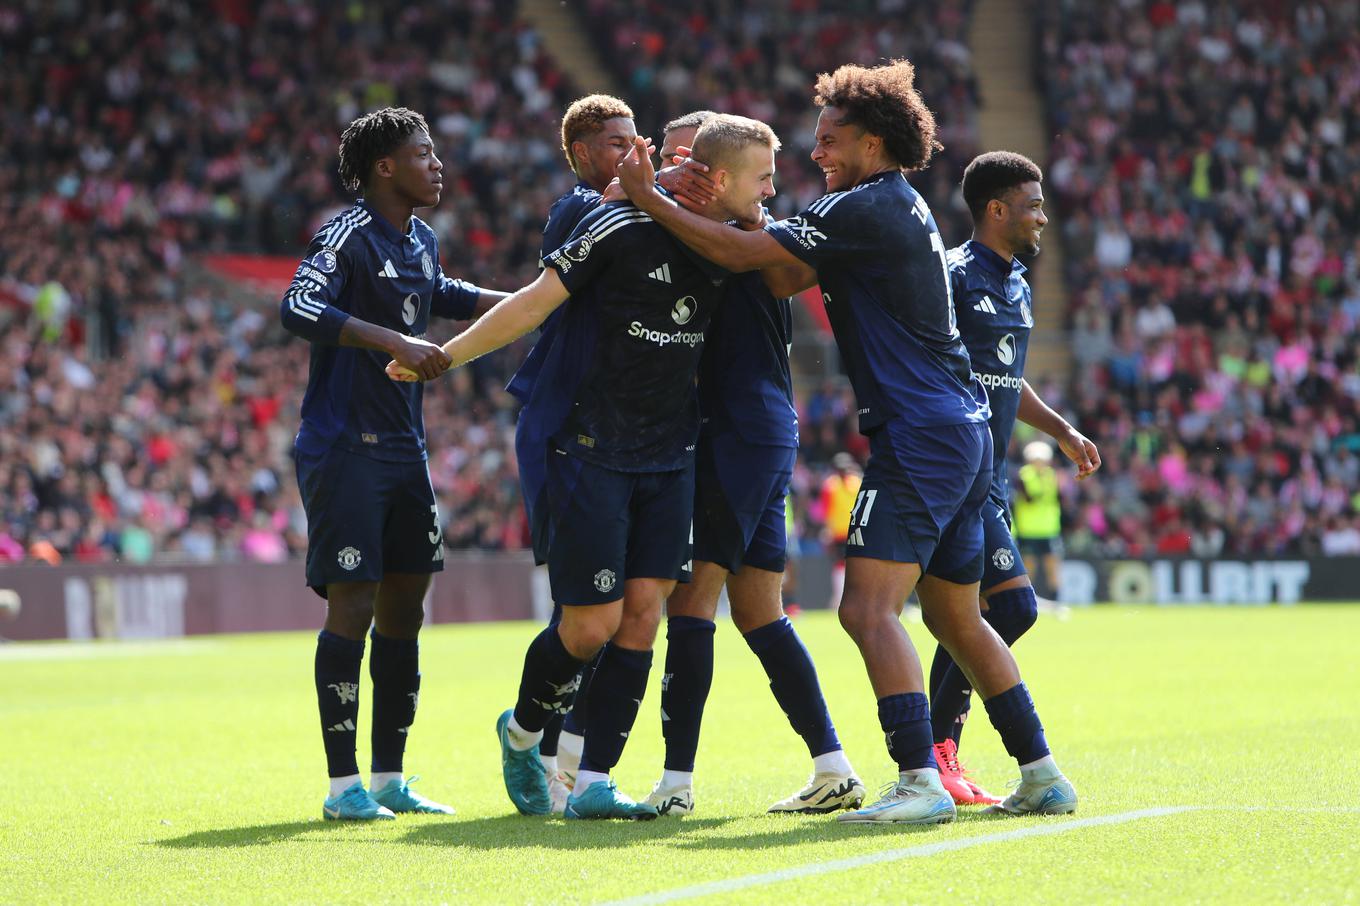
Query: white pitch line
[[728, 885], [62, 651]]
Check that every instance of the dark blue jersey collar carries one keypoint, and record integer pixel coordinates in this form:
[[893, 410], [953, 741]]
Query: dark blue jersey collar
[[384, 226], [994, 262]]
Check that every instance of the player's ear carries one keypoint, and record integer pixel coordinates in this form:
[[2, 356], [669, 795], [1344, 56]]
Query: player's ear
[[385, 167], [580, 152], [996, 209]]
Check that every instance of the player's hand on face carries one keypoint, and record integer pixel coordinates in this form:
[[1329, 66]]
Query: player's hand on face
[[419, 360], [614, 192], [636, 174], [689, 182], [1080, 450]]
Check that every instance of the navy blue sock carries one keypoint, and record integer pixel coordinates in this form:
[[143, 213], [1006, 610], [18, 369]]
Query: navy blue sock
[[685, 686], [575, 722], [394, 666], [905, 719], [793, 680], [1011, 613], [950, 697], [549, 679], [548, 744], [1012, 713], [338, 662], [616, 692]]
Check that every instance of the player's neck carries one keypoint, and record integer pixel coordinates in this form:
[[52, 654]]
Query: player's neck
[[995, 245], [394, 210]]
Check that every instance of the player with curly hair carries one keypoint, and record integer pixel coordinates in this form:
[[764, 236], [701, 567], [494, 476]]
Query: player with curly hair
[[364, 294], [872, 245]]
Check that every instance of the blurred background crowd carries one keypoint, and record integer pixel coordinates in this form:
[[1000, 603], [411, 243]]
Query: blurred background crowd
[[1204, 178]]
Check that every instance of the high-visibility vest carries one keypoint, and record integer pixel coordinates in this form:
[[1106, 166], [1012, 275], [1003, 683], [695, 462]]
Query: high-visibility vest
[[1038, 511], [838, 499]]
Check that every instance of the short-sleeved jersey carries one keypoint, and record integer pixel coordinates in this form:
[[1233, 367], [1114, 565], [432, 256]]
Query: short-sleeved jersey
[[744, 381], [360, 265], [993, 303], [880, 262], [617, 385], [563, 218]]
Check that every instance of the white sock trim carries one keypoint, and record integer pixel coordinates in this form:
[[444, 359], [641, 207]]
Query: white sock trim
[[672, 779], [378, 780], [549, 763], [521, 740], [340, 784], [585, 778], [1045, 766], [833, 762]]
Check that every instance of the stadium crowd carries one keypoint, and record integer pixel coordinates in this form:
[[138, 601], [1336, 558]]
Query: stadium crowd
[[1205, 179], [141, 414], [1206, 173]]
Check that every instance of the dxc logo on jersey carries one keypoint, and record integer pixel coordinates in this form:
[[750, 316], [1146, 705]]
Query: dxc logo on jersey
[[409, 309], [1005, 349], [684, 309], [806, 234]]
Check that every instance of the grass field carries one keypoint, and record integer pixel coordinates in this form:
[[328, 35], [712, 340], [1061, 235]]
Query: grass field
[[1217, 753]]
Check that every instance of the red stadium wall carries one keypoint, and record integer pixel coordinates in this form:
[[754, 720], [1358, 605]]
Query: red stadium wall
[[117, 601]]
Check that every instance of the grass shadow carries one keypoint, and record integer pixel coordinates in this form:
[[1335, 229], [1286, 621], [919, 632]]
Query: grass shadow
[[791, 830], [253, 835], [517, 831]]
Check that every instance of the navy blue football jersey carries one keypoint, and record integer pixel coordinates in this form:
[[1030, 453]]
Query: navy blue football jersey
[[360, 265], [563, 218], [744, 381], [993, 303], [617, 385], [880, 262]]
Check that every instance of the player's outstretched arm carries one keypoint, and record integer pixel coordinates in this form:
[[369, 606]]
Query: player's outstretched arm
[[1074, 444], [488, 299], [510, 319], [785, 280], [728, 247]]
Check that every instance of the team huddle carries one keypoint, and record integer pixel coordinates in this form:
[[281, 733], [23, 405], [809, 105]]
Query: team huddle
[[657, 439]]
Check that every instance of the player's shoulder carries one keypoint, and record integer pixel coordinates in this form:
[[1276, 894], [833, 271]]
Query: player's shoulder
[[959, 259], [336, 231], [615, 217]]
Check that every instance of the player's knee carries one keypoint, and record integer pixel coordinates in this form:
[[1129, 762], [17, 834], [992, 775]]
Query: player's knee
[[857, 618], [583, 637], [638, 628]]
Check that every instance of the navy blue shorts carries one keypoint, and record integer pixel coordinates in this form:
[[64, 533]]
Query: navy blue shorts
[[739, 496], [605, 527], [1038, 547], [367, 517], [921, 499], [1003, 561]]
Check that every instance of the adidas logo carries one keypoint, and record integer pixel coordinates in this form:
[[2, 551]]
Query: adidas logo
[[662, 273], [856, 539], [346, 727], [388, 270], [986, 306]]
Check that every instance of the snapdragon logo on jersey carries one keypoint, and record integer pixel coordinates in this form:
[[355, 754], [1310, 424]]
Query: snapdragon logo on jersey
[[681, 313], [683, 310], [998, 381], [1005, 349], [409, 308]]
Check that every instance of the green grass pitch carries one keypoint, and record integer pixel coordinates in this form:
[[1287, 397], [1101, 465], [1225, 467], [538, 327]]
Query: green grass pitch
[[1222, 745]]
